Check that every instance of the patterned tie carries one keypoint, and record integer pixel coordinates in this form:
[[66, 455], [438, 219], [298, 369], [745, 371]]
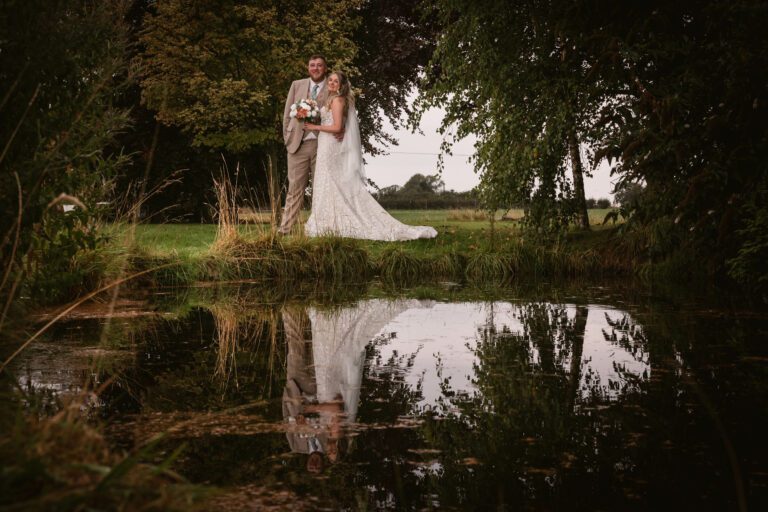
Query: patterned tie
[[314, 91]]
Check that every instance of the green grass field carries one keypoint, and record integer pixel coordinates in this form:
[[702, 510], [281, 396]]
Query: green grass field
[[454, 233]]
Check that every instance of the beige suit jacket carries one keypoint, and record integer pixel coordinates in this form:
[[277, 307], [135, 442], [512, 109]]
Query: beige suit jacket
[[293, 131]]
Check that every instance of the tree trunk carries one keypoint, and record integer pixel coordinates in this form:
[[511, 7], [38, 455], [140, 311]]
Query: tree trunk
[[578, 181], [577, 349]]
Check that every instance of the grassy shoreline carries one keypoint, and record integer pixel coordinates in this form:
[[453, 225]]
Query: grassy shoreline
[[464, 250]]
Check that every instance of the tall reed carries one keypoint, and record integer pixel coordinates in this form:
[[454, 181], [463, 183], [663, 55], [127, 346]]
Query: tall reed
[[226, 207]]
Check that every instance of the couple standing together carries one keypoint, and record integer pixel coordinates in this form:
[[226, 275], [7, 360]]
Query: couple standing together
[[341, 203]]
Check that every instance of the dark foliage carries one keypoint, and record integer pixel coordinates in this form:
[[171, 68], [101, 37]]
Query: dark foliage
[[62, 65], [395, 40]]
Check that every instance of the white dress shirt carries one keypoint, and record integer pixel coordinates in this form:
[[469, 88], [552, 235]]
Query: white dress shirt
[[313, 135]]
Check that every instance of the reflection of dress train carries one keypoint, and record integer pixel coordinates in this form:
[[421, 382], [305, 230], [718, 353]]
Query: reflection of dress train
[[339, 338]]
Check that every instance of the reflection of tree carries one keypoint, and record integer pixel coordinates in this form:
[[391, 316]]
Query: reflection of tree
[[626, 334], [511, 437]]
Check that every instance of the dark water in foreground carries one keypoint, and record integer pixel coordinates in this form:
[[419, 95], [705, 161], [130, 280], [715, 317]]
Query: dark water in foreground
[[595, 399]]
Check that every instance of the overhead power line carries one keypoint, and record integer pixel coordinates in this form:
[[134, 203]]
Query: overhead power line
[[424, 153]]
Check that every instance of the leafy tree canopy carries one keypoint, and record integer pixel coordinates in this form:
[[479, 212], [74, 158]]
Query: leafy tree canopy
[[220, 69], [420, 184]]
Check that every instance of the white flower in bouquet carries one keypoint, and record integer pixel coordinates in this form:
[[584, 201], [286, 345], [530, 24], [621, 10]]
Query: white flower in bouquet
[[305, 110]]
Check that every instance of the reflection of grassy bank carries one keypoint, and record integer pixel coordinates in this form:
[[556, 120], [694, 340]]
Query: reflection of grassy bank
[[464, 249]]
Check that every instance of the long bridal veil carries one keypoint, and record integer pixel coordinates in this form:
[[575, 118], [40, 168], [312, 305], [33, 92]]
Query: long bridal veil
[[352, 150]]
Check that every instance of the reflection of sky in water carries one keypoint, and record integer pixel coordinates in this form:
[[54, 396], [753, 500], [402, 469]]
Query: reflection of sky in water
[[450, 332], [603, 357], [447, 332]]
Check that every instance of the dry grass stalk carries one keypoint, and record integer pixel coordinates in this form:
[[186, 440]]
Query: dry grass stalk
[[226, 208], [274, 198], [249, 215], [72, 306]]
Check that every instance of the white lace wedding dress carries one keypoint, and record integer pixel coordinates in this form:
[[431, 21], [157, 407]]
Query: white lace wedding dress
[[341, 204]]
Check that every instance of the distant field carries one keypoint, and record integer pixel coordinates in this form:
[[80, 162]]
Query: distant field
[[457, 228], [465, 218]]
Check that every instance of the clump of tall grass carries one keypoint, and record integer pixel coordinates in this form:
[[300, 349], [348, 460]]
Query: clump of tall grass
[[488, 265], [467, 215], [175, 270], [60, 462], [265, 257], [448, 265], [226, 208], [398, 264], [343, 258]]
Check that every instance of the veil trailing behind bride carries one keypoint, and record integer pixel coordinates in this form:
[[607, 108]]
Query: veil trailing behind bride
[[341, 203]]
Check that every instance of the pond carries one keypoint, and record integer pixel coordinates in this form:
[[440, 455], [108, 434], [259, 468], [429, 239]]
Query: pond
[[580, 397]]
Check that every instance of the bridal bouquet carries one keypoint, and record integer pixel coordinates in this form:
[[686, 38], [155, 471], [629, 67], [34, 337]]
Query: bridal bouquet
[[306, 110]]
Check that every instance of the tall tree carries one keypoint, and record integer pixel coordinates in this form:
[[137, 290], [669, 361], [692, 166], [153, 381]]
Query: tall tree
[[688, 118], [508, 74]]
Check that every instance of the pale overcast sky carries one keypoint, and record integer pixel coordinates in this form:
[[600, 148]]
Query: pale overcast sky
[[418, 154]]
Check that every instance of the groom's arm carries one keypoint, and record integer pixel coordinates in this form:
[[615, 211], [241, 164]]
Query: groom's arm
[[287, 111]]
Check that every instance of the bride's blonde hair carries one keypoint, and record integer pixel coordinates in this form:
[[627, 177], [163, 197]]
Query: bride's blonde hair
[[345, 91]]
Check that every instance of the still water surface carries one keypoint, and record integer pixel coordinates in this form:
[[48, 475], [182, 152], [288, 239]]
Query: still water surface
[[601, 399]]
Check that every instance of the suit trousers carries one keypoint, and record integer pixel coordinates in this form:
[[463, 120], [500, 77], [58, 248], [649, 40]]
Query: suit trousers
[[301, 165]]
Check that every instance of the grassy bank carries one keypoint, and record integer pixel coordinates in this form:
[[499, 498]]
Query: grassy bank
[[468, 246]]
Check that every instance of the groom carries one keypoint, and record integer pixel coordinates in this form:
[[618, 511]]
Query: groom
[[301, 145]]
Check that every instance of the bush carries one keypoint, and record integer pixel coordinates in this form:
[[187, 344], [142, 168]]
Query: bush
[[602, 203]]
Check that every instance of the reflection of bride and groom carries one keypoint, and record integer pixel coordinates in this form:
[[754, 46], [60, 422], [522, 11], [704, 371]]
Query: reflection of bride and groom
[[341, 203], [326, 356]]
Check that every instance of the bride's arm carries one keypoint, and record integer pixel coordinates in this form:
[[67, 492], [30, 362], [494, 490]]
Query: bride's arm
[[337, 108]]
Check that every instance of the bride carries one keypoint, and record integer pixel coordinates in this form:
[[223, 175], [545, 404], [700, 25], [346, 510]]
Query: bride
[[341, 203]]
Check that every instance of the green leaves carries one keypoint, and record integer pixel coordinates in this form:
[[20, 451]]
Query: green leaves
[[500, 74], [220, 69]]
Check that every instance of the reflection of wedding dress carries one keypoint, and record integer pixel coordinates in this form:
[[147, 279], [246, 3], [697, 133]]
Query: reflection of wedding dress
[[341, 204], [339, 338]]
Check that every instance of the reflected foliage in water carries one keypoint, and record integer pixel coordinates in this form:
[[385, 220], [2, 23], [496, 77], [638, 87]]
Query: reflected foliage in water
[[410, 404]]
